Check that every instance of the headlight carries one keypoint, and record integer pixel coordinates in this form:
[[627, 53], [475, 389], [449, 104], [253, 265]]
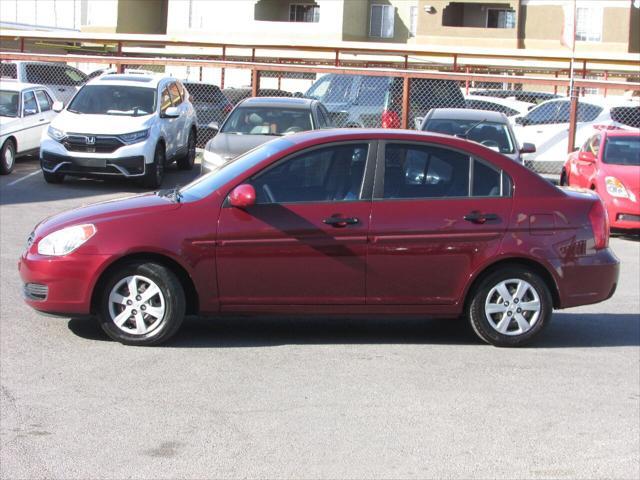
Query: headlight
[[615, 187], [57, 135], [213, 158], [134, 137], [65, 241]]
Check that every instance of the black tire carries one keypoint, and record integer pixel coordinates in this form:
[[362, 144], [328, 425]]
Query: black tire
[[564, 181], [7, 157], [187, 161], [154, 173], [160, 330], [53, 177], [511, 338]]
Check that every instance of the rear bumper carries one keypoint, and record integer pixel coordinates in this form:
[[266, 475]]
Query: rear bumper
[[60, 285], [589, 279]]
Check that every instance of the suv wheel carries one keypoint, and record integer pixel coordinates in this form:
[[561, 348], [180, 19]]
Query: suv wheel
[[186, 162], [142, 304], [7, 157], [510, 307], [155, 171]]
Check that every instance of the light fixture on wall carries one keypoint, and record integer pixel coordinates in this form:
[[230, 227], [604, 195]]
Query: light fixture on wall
[[429, 9]]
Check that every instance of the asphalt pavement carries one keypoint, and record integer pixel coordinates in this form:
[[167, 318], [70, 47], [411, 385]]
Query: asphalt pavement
[[314, 398]]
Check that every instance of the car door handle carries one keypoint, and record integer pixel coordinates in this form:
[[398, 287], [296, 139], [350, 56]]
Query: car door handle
[[340, 222], [477, 217]]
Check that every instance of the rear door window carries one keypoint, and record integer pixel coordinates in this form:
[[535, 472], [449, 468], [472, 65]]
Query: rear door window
[[372, 91]]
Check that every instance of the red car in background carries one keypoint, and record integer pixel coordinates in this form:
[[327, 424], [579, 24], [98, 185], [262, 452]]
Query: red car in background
[[609, 163], [332, 222]]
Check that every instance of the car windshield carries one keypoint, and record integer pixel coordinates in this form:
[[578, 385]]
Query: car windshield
[[114, 100], [9, 103], [490, 134], [207, 184], [622, 151], [267, 121]]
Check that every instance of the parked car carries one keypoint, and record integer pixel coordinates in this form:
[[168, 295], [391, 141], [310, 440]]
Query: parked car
[[130, 126], [609, 163], [520, 95], [211, 106], [334, 222], [509, 106], [491, 129], [236, 95], [372, 101], [548, 124], [25, 111], [257, 120], [63, 81]]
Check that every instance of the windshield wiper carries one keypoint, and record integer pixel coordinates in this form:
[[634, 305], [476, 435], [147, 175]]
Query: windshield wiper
[[466, 132]]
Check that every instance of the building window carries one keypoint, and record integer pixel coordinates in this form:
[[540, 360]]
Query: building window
[[589, 24], [501, 18], [381, 24], [413, 21], [304, 13]]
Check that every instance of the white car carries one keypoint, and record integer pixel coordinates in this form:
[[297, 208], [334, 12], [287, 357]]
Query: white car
[[547, 124], [25, 112], [509, 106], [64, 81], [125, 125]]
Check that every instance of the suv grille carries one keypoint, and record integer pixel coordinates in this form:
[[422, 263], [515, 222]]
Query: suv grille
[[100, 144]]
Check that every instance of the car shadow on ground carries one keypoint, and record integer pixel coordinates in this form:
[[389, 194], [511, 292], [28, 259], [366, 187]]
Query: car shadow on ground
[[566, 330], [35, 189]]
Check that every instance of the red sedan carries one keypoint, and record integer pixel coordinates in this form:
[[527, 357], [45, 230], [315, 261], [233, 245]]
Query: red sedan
[[346, 222], [609, 163]]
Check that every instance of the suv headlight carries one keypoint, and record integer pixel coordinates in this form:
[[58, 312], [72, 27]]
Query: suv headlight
[[65, 241], [134, 137], [57, 135]]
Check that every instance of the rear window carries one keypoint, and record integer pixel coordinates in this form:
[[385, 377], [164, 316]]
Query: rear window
[[622, 151], [8, 70], [629, 116], [429, 93], [588, 112]]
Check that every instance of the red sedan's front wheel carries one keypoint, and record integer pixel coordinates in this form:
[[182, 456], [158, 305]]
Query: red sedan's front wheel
[[143, 304]]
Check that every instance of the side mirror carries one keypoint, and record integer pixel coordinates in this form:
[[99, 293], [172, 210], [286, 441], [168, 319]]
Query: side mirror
[[587, 157], [243, 196], [522, 121], [528, 148], [58, 106], [214, 127], [171, 112]]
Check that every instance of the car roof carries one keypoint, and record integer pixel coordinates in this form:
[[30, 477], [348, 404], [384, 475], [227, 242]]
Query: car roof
[[622, 133], [347, 134], [130, 79], [600, 101], [16, 86], [467, 114], [506, 101], [278, 102]]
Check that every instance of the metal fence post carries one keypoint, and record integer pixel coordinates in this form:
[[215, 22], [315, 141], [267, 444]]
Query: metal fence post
[[224, 58], [255, 82], [573, 117], [405, 102], [120, 66]]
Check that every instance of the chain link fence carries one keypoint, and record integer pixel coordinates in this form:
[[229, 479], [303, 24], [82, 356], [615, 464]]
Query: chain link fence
[[518, 111]]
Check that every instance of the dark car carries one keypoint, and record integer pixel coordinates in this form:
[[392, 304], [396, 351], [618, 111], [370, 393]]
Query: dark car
[[257, 120], [491, 129], [333, 222], [372, 101], [236, 95], [211, 105]]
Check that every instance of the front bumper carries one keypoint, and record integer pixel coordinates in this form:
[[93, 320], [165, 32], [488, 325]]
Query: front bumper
[[60, 285], [589, 279], [623, 214], [126, 161]]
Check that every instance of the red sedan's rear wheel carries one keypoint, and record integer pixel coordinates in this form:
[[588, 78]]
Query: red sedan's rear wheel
[[510, 307], [142, 304]]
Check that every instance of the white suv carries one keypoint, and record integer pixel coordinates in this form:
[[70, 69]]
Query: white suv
[[121, 125]]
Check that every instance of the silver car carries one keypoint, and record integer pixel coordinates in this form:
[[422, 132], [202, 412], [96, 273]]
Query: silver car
[[257, 120], [491, 129]]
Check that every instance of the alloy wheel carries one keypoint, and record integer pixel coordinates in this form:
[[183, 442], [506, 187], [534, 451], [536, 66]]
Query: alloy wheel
[[136, 305], [512, 307]]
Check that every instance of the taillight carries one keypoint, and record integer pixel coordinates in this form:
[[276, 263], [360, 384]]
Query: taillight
[[599, 224], [390, 119]]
